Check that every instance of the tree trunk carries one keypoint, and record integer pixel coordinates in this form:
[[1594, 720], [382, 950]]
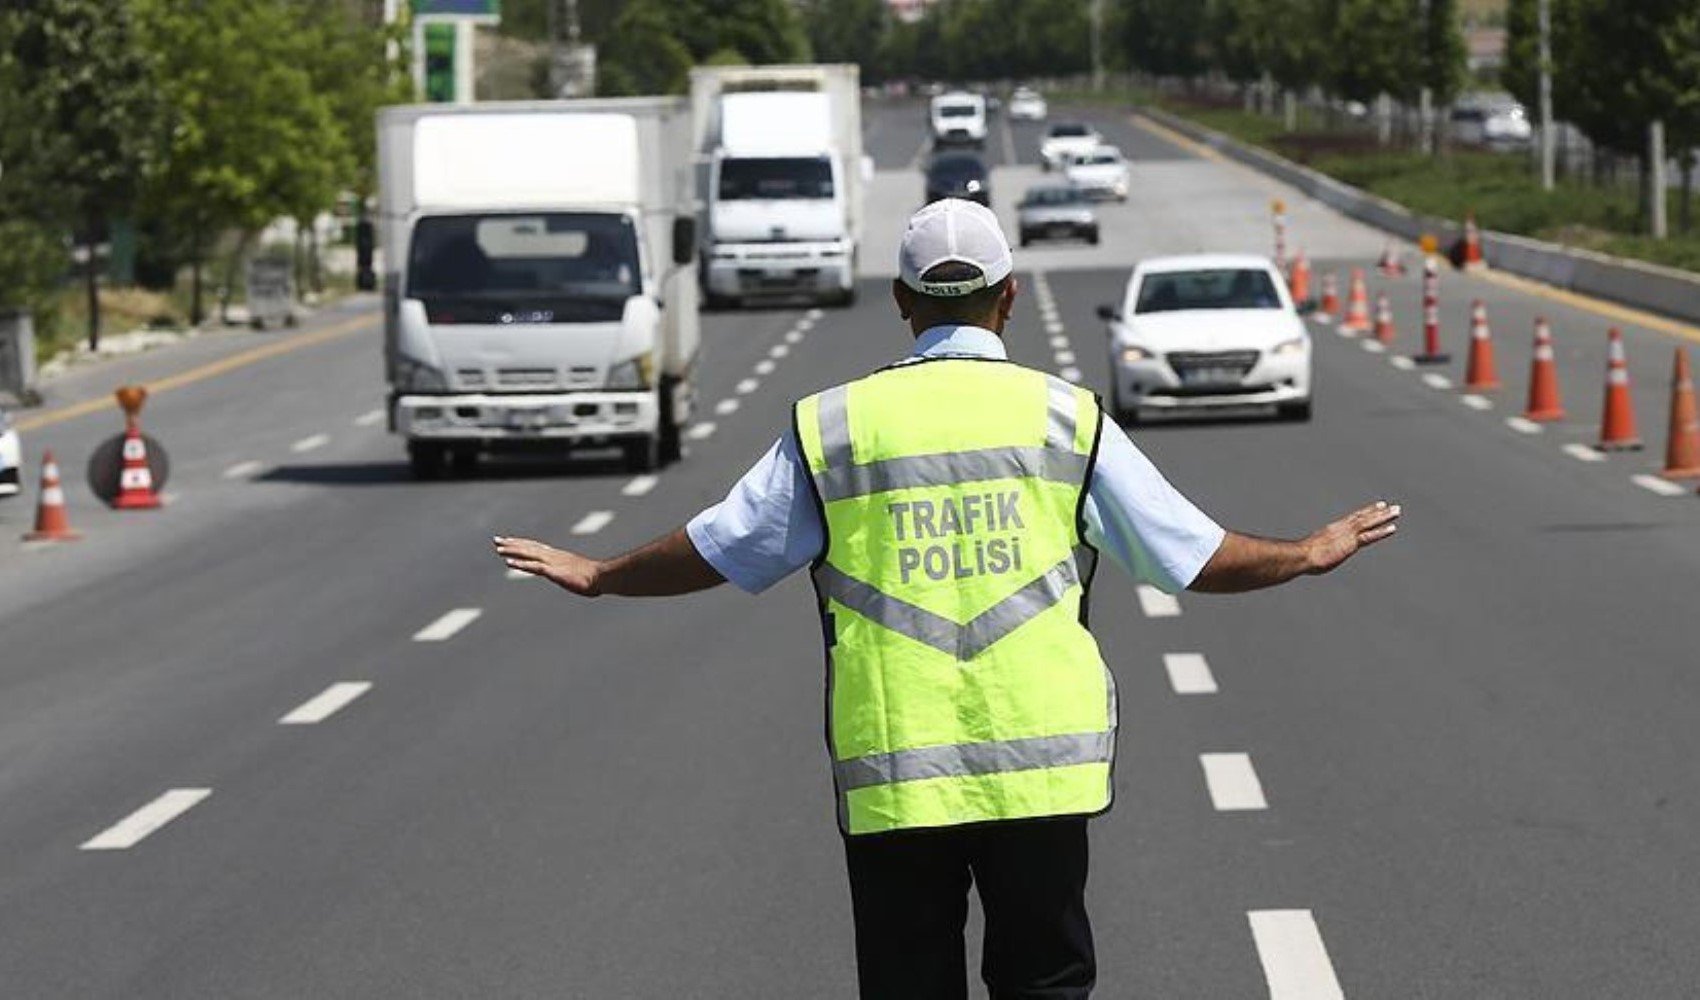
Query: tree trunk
[[231, 267], [197, 250], [91, 278]]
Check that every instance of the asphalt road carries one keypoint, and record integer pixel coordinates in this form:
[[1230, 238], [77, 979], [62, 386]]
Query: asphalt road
[[1472, 749]]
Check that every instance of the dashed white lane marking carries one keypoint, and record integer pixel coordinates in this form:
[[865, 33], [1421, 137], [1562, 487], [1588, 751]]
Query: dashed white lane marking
[[1189, 673], [244, 470], [1232, 782], [765, 366], [640, 486], [369, 418], [1059, 342], [1476, 402], [1373, 346], [1053, 327], [794, 337], [325, 704], [593, 522], [726, 406], [779, 351], [520, 574], [1583, 453], [1522, 425], [309, 443], [1295, 962], [747, 386], [1157, 604], [1402, 363], [445, 627], [1065, 357], [134, 828], [1663, 487], [813, 316], [700, 430], [1435, 380], [1072, 374]]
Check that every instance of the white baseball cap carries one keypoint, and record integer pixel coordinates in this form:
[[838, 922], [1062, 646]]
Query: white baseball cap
[[952, 230]]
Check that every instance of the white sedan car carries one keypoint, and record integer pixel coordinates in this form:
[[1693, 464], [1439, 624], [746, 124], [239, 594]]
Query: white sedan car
[[1207, 332], [1064, 140], [1026, 105], [1099, 173], [11, 458]]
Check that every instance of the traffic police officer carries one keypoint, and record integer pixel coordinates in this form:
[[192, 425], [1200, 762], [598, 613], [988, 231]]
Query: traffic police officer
[[953, 506]]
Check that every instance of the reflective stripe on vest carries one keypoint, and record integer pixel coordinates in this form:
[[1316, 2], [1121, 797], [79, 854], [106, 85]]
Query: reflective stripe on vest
[[963, 685]]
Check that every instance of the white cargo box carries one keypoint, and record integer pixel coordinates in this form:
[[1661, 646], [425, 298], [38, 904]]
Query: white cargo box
[[525, 161]]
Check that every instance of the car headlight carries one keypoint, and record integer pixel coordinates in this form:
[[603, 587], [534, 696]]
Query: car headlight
[[632, 374], [1293, 346], [416, 376], [1134, 355]]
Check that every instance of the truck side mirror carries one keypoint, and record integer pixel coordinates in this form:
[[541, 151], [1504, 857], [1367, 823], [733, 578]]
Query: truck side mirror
[[684, 240], [1107, 313]]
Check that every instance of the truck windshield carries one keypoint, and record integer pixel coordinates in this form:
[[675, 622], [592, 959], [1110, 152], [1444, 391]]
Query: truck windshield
[[775, 177], [958, 111], [1238, 288], [531, 261]]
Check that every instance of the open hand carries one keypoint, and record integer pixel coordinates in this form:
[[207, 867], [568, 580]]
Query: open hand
[[1334, 544], [568, 570]]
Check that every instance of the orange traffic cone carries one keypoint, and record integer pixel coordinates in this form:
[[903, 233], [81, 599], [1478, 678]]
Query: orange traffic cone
[[1298, 280], [1480, 373], [1384, 330], [1357, 307], [51, 524], [1390, 265], [1544, 403], [1682, 452], [1329, 311], [135, 481], [1617, 421], [1473, 260]]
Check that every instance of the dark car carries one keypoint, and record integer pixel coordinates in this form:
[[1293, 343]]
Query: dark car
[[959, 175]]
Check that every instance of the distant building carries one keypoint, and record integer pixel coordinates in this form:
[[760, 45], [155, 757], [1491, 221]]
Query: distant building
[[1484, 49], [909, 11]]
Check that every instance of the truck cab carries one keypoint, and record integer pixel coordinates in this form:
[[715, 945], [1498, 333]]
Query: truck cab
[[958, 119]]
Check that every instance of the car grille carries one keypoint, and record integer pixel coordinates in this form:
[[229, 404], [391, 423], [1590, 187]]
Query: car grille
[[1216, 367]]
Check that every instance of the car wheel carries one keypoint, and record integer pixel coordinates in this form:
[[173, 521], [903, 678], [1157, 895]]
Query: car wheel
[[1298, 413]]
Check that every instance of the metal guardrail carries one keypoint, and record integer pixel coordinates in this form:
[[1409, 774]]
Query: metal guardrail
[[1665, 290]]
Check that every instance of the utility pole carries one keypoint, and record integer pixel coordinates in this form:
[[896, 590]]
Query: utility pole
[[1547, 137], [1096, 8], [1656, 192]]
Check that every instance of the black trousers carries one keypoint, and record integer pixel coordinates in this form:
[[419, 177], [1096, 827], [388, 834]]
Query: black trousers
[[909, 891]]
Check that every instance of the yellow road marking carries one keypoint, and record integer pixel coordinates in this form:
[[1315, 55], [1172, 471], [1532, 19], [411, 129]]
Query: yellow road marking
[[210, 370]]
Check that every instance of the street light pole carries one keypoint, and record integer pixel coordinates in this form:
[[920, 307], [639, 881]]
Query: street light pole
[[1096, 11], [1547, 137]]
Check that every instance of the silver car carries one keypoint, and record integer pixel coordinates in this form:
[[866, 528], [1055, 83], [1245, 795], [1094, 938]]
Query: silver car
[[11, 458], [1056, 212]]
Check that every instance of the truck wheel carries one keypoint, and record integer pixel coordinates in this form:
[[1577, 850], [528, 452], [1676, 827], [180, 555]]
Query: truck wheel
[[425, 460], [668, 433], [846, 298], [643, 454], [463, 462]]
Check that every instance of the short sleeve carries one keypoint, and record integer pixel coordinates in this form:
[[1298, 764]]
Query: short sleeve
[[1132, 514], [767, 528]]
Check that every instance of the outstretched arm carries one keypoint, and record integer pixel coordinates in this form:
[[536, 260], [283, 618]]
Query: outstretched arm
[[667, 566], [1245, 562]]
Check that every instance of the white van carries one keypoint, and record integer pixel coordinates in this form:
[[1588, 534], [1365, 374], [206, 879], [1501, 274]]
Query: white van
[[958, 119]]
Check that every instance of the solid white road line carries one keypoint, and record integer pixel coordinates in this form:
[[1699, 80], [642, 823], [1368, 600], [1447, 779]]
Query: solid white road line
[[1402, 363], [640, 486], [310, 443], [1295, 962], [1189, 673], [370, 418], [1583, 453], [1232, 782], [1522, 425], [700, 430], [1476, 402], [726, 406], [779, 350], [244, 470], [326, 703], [593, 522], [134, 828], [1663, 487], [445, 627], [747, 386], [1373, 346], [1157, 604], [1435, 380], [765, 366]]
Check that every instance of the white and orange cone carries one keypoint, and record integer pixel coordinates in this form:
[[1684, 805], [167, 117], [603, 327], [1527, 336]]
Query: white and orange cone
[[1329, 311], [135, 480], [1432, 354], [1545, 405], [1473, 259], [1357, 306], [1390, 265], [1298, 280], [1617, 419], [1682, 450], [1384, 329], [51, 522], [1480, 374]]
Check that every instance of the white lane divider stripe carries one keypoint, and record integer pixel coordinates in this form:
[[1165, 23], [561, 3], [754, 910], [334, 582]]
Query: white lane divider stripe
[[1189, 673], [309, 443], [640, 486], [520, 574], [1435, 380], [765, 366], [1059, 343], [779, 350], [726, 406], [244, 470], [747, 386], [370, 418], [1157, 604], [1295, 961], [325, 704], [445, 627], [1071, 374], [700, 430], [1476, 402], [1522, 425], [1232, 782], [1065, 357], [813, 316], [1052, 326], [1583, 453], [1663, 487], [794, 337], [134, 828], [1402, 363], [1373, 346], [593, 522]]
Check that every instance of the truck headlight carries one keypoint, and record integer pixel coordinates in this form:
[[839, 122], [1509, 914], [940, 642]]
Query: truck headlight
[[416, 376], [632, 374], [1293, 346]]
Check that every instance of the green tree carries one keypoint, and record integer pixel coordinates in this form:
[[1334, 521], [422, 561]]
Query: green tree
[[640, 55], [851, 31], [1441, 61], [1372, 49]]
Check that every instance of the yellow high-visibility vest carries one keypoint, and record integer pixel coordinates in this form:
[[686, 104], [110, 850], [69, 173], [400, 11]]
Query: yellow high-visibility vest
[[963, 685]]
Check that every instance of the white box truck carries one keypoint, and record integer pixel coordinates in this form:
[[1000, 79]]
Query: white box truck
[[784, 178], [538, 288]]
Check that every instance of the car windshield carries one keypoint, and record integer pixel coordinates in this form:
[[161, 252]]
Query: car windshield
[[957, 111], [776, 178], [1098, 159], [1069, 131], [1052, 196], [524, 257], [1221, 288]]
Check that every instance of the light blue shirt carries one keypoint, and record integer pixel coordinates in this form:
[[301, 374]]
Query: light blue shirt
[[768, 527]]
